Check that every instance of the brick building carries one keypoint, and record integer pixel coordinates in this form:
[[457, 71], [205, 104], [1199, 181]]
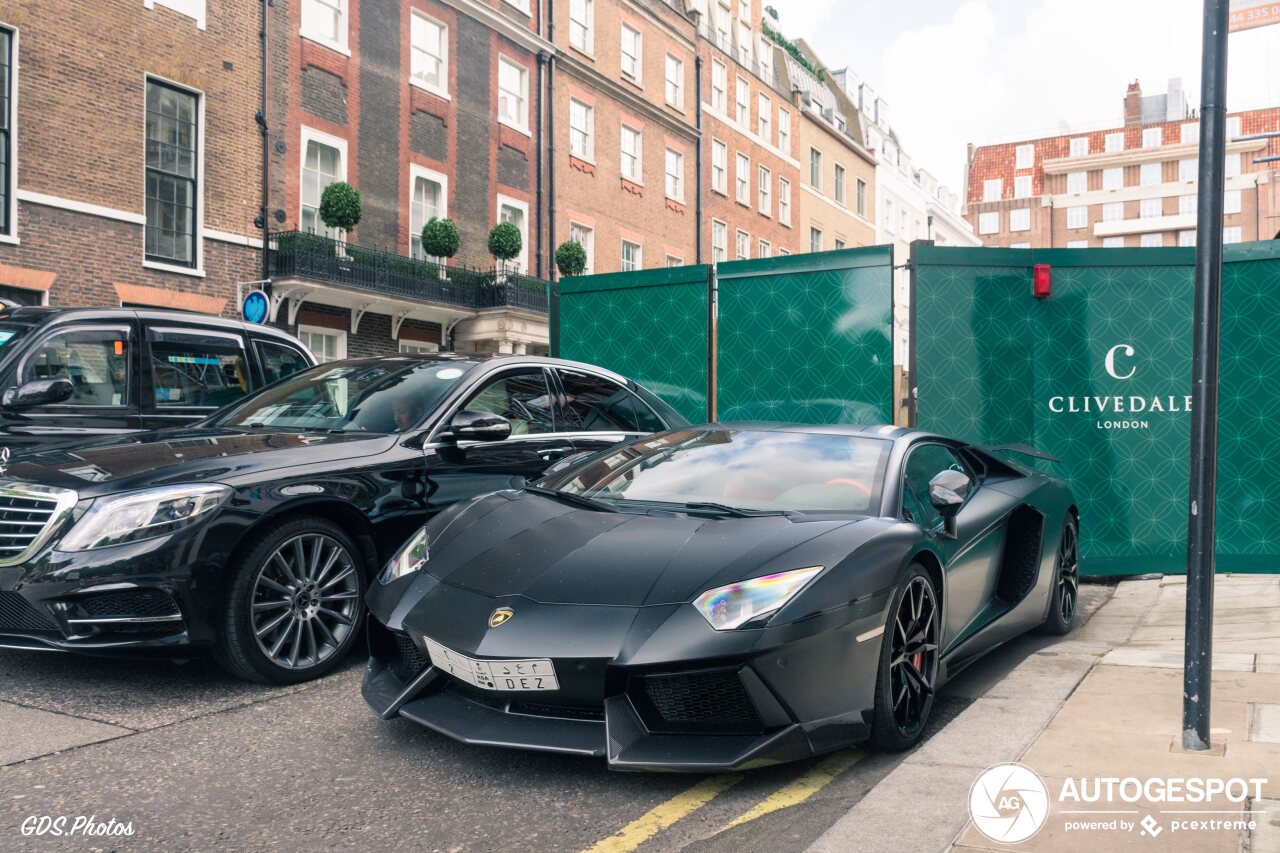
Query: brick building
[[1124, 186], [130, 154]]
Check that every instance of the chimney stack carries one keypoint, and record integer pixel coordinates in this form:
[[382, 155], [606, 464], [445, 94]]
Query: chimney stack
[[1133, 105]]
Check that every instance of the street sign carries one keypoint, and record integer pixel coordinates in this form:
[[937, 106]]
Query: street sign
[[255, 307], [1247, 14]]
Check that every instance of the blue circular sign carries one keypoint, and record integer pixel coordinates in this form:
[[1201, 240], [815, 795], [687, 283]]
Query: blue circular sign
[[255, 307]]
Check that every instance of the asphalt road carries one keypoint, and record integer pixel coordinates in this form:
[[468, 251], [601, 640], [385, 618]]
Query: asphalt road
[[194, 760]]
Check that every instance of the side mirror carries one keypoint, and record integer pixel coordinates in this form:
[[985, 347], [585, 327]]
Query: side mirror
[[947, 492], [478, 426], [38, 392]]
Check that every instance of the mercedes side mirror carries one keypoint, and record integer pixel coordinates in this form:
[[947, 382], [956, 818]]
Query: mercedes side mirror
[[478, 426], [947, 492], [38, 392]]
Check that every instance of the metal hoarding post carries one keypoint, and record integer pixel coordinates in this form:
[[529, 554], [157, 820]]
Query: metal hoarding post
[[713, 297]]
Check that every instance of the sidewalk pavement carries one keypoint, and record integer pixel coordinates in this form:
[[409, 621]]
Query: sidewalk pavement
[[1105, 701]]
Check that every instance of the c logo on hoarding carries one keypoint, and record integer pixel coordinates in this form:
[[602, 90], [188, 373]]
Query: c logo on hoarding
[[500, 616], [1111, 361]]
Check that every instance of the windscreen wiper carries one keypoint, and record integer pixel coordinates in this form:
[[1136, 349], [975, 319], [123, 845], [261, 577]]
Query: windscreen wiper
[[736, 512], [569, 497]]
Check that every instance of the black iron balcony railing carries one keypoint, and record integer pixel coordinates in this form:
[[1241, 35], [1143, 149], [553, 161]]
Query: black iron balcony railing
[[304, 255]]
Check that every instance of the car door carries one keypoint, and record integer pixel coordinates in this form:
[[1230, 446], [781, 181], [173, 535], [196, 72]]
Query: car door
[[972, 559], [598, 412], [101, 362], [190, 372], [523, 395]]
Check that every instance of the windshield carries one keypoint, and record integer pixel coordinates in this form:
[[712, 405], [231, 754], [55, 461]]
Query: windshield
[[739, 469], [9, 334], [391, 395]]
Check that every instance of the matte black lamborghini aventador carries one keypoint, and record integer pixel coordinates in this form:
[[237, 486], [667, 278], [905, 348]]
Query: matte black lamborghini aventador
[[721, 597]]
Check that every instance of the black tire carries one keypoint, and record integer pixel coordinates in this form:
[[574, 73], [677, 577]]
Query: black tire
[[907, 674], [320, 604], [1065, 599]]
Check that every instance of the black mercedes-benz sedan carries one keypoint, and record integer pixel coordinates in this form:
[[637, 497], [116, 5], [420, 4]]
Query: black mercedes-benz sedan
[[256, 532], [721, 597]]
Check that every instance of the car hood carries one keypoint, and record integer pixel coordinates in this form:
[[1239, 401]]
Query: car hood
[[518, 543], [188, 455]]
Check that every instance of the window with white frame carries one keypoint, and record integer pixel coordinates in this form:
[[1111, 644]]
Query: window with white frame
[[1151, 208], [674, 261], [1020, 219], [1080, 146], [8, 115], [1078, 217], [742, 179], [582, 22], [719, 167], [586, 238], [815, 239], [746, 47], [861, 197], [323, 163], [513, 94], [1233, 164], [632, 162], [764, 249], [1022, 186], [1187, 204], [1186, 238], [719, 86], [742, 103], [992, 189], [1019, 245], [325, 344], [1188, 169], [1077, 182], [724, 23], [172, 173], [195, 9], [719, 241], [325, 21], [522, 5], [1024, 157], [1113, 242], [1234, 234], [838, 244], [1152, 137], [517, 213], [1113, 178], [989, 223], [407, 345], [815, 169], [1151, 241], [675, 175], [1231, 200], [1113, 211], [632, 53], [1113, 142], [428, 53], [765, 180], [675, 82], [742, 245], [764, 110], [784, 130], [632, 259], [838, 187], [1149, 174], [1233, 127], [1077, 244], [582, 130], [1190, 133], [428, 200], [784, 201]]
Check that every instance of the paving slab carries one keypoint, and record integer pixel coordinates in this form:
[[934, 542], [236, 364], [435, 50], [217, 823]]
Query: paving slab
[[1269, 663], [30, 732], [1163, 659], [1265, 724], [1266, 835]]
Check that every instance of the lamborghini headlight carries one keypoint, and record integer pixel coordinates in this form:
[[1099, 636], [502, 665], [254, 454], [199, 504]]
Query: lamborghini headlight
[[409, 559], [734, 605], [145, 514]]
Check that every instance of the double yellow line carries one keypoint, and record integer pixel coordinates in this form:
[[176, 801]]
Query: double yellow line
[[687, 802]]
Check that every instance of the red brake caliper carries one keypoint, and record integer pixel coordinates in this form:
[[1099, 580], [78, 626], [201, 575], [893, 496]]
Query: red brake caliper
[[917, 661]]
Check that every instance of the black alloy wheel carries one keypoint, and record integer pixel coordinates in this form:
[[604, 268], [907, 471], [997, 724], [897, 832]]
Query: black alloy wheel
[[908, 673], [1061, 617]]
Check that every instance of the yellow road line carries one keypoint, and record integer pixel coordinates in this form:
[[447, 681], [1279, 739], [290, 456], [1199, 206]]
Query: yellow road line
[[662, 816], [802, 788]]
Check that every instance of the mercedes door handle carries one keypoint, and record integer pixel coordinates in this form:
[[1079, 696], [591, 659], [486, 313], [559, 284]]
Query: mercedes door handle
[[550, 454]]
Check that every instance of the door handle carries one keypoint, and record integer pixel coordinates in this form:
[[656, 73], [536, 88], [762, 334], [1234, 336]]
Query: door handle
[[549, 454]]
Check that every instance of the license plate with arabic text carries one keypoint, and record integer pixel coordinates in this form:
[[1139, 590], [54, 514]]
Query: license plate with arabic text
[[514, 675]]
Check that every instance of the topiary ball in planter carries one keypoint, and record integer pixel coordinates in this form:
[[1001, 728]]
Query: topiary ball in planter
[[340, 206], [505, 242], [440, 238], [571, 258]]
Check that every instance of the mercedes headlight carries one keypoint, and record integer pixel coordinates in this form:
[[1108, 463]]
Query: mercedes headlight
[[145, 514], [734, 605], [409, 559]]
